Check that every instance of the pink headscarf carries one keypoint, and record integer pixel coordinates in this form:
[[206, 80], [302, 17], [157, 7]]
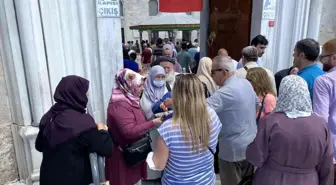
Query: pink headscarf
[[127, 83]]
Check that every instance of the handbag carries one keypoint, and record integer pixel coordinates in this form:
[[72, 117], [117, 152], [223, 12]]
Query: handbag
[[136, 152], [248, 180]]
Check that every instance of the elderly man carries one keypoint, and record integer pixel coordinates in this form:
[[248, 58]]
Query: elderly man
[[250, 58], [169, 66], [235, 103], [222, 52]]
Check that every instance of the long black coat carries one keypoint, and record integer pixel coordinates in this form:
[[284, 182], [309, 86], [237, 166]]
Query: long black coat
[[68, 163]]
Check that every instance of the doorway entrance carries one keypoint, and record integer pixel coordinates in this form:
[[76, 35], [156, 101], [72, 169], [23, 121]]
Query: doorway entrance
[[230, 26]]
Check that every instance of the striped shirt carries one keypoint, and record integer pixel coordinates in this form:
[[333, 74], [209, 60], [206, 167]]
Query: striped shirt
[[184, 166]]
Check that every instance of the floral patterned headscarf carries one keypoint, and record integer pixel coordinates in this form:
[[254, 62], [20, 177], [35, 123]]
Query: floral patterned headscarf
[[294, 98], [127, 84]]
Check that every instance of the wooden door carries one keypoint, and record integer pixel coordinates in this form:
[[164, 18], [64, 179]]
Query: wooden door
[[230, 25]]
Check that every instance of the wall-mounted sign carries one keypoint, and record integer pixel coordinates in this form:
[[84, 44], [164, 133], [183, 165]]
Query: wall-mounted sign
[[108, 8], [269, 9]]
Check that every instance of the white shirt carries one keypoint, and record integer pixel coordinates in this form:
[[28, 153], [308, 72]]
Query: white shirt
[[259, 62]]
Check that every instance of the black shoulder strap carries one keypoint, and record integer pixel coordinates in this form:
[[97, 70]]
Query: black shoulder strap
[[168, 87], [261, 109], [213, 153], [207, 93], [245, 68]]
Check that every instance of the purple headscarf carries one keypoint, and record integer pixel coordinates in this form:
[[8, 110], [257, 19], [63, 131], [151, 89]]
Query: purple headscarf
[[152, 92], [67, 118]]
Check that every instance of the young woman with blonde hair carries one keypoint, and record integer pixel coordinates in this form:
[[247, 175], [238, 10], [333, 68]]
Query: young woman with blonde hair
[[262, 86], [187, 142]]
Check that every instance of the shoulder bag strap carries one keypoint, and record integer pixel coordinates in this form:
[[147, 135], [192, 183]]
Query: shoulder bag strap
[[168, 87], [213, 153], [261, 109]]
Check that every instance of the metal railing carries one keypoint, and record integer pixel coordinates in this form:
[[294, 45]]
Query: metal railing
[[96, 161]]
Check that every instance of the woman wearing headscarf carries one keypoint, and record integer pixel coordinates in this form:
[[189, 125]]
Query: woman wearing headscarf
[[169, 51], [293, 145], [155, 89], [204, 74], [68, 134], [127, 125]]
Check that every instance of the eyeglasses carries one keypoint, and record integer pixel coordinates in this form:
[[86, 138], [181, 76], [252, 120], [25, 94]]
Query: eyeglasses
[[323, 56], [215, 70]]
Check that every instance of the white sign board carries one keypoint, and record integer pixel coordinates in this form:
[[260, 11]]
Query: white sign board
[[269, 9], [108, 8]]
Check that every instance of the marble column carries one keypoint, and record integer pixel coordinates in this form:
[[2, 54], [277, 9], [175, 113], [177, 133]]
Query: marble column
[[293, 23], [198, 36], [34, 56], [110, 52], [38, 84], [140, 40], [174, 36], [149, 36]]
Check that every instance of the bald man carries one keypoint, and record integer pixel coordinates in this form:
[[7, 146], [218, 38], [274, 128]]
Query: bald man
[[222, 52], [235, 98]]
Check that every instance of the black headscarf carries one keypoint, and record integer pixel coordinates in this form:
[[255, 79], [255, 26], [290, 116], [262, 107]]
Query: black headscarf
[[67, 118]]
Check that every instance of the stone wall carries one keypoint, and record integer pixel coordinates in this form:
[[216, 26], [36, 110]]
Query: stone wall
[[328, 21], [8, 165]]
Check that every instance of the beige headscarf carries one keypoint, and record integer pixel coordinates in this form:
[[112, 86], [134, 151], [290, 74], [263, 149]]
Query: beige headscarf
[[204, 74]]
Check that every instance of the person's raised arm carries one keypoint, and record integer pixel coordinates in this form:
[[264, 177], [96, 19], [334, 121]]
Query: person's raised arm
[[125, 121], [97, 140]]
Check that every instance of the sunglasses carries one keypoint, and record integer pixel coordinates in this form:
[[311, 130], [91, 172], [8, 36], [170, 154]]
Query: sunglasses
[[215, 70]]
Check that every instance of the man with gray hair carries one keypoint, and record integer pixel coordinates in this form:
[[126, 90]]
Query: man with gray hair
[[235, 103], [250, 58]]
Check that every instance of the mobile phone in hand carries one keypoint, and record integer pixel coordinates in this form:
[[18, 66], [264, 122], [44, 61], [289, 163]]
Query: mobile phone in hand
[[166, 117]]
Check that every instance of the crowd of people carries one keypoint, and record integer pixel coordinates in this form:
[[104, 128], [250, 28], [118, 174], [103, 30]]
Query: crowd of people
[[180, 119]]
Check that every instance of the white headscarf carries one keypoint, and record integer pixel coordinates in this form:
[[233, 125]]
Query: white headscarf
[[204, 74], [294, 98]]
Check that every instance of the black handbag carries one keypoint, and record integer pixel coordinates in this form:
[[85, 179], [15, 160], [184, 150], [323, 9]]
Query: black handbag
[[248, 180], [136, 152]]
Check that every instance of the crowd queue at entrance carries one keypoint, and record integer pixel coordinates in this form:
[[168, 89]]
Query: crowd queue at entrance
[[176, 118]]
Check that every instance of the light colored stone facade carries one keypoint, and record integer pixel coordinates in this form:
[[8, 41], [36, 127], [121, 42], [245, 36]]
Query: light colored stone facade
[[8, 165], [328, 21]]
